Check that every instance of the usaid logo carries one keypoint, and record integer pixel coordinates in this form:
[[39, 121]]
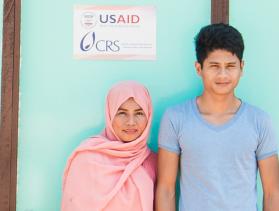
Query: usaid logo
[[90, 19], [119, 19]]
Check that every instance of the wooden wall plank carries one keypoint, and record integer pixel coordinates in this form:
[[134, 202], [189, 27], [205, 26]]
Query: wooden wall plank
[[9, 104], [220, 11]]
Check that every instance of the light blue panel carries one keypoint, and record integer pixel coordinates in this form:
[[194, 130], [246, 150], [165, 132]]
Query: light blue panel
[[258, 21], [62, 99]]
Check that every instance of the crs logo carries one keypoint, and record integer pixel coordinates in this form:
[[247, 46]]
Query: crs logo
[[89, 42]]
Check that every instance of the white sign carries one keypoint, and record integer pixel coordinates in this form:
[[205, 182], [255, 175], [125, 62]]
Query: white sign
[[115, 32]]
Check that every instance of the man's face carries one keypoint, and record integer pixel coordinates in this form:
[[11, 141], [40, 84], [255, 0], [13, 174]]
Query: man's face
[[221, 72]]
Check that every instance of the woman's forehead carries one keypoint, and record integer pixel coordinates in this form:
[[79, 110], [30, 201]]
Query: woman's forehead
[[129, 104]]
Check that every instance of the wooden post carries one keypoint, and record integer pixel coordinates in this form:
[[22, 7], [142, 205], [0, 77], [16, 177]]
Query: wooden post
[[220, 11], [9, 104]]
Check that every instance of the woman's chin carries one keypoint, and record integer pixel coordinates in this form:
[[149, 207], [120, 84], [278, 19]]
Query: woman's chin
[[129, 138]]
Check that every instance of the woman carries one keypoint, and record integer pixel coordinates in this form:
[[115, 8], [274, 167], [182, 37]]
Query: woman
[[115, 171]]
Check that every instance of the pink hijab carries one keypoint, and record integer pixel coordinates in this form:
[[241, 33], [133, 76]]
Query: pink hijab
[[106, 174]]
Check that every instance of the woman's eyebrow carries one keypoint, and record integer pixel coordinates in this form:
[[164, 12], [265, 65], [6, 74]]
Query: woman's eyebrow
[[122, 109]]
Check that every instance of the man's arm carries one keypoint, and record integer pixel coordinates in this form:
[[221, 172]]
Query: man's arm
[[269, 171], [167, 172]]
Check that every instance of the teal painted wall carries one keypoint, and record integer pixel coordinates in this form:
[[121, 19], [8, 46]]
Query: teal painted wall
[[62, 99], [258, 21]]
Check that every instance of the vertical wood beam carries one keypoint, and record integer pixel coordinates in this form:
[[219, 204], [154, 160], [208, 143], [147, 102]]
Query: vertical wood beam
[[9, 104], [220, 11]]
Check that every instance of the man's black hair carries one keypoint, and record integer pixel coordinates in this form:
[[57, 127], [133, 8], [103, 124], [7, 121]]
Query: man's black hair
[[218, 36]]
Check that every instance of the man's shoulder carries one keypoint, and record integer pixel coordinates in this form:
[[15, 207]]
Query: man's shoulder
[[257, 117], [256, 112]]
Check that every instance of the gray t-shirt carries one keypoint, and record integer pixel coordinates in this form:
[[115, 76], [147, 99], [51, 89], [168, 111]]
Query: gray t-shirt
[[218, 164]]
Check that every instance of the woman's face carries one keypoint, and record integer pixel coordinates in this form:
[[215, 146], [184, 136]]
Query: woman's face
[[129, 121]]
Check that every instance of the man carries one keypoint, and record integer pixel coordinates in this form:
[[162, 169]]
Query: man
[[219, 140]]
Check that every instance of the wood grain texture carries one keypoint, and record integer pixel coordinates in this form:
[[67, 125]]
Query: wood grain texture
[[220, 11], [9, 104]]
